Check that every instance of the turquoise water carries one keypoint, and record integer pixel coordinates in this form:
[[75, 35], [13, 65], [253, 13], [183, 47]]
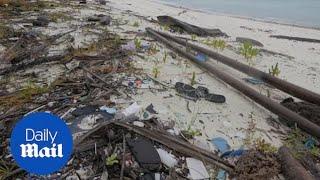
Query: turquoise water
[[299, 12]]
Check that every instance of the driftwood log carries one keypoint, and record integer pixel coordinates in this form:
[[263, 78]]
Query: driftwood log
[[291, 168], [189, 28], [296, 38]]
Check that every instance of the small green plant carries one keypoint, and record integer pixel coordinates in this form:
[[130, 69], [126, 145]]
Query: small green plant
[[193, 133], [156, 72], [166, 27], [193, 79], [111, 160], [165, 57], [216, 43], [117, 40], [137, 43], [315, 151], [274, 70], [249, 52], [261, 145], [153, 49], [194, 37], [5, 168], [136, 24]]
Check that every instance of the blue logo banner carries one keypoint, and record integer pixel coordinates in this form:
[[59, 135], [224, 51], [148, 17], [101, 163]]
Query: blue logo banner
[[41, 143]]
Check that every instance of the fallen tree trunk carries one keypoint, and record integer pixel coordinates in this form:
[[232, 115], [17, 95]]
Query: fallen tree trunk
[[264, 101], [296, 38], [285, 86], [189, 28], [291, 168]]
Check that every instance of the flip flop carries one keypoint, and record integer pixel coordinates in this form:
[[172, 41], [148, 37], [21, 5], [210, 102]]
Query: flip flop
[[216, 98], [186, 89]]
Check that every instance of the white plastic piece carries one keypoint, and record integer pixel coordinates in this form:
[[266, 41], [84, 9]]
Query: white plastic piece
[[138, 123], [197, 169], [157, 176], [167, 158], [132, 109]]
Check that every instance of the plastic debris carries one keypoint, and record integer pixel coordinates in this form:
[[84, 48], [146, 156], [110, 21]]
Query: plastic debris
[[197, 169], [138, 123], [104, 175], [310, 143], [253, 81], [233, 153], [222, 175], [221, 144], [167, 158], [144, 152], [201, 57], [151, 110], [130, 46], [174, 131], [84, 110], [132, 109], [108, 109], [151, 176]]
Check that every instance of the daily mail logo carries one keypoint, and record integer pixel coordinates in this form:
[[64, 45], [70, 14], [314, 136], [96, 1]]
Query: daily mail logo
[[32, 150], [41, 143]]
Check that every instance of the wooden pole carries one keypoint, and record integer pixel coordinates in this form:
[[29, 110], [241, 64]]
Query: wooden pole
[[291, 168]]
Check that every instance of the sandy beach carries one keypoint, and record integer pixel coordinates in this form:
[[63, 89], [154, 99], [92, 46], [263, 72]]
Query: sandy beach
[[240, 121]]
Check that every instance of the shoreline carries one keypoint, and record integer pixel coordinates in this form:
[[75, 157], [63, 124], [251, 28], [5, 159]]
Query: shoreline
[[235, 16]]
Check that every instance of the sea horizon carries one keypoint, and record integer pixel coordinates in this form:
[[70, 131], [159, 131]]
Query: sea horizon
[[293, 12]]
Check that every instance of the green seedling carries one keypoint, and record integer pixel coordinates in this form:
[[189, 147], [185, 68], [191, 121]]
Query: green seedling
[[217, 44], [156, 72], [111, 160], [193, 79], [5, 168], [191, 133], [137, 43], [275, 70], [136, 24], [261, 145], [165, 57], [248, 52], [117, 40], [194, 37], [166, 28], [153, 49]]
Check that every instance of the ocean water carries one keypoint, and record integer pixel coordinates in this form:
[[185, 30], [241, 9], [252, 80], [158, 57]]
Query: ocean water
[[298, 12]]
